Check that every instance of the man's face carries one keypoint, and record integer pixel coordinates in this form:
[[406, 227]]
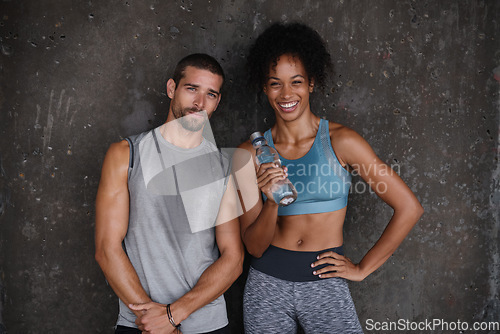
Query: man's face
[[195, 97]]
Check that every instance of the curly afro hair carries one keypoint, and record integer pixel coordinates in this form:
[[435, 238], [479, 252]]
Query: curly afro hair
[[296, 39]]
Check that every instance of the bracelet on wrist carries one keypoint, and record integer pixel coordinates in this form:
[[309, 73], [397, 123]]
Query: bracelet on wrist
[[171, 318]]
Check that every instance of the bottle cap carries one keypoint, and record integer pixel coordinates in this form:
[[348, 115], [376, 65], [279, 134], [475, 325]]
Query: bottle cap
[[255, 135]]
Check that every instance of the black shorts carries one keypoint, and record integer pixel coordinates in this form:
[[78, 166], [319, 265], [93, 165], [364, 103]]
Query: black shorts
[[130, 330]]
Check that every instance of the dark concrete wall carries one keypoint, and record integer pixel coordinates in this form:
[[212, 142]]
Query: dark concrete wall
[[418, 79]]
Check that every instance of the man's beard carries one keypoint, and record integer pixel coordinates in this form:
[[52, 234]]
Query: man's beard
[[190, 123]]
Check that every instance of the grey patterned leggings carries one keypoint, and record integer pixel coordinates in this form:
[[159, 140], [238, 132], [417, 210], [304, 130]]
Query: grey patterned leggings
[[272, 305]]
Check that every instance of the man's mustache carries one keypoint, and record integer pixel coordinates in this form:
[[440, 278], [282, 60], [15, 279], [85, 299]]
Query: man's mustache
[[194, 109]]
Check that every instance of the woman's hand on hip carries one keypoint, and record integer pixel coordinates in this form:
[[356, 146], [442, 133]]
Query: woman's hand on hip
[[337, 266]]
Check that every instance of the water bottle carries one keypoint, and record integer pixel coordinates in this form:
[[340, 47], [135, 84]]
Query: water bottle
[[283, 191]]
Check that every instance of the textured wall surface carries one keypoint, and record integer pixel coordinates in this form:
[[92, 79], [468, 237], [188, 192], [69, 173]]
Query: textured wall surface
[[418, 79]]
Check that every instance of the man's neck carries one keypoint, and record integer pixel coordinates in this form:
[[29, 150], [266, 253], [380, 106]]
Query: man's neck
[[175, 134]]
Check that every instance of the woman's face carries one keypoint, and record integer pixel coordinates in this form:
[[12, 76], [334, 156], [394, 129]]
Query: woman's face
[[288, 88]]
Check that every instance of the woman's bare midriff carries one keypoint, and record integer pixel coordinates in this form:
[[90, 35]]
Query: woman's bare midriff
[[310, 232]]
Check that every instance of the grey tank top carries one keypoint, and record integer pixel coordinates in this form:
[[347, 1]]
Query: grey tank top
[[174, 199]]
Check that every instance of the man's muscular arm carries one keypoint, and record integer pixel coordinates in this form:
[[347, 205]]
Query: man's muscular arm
[[214, 281], [112, 213]]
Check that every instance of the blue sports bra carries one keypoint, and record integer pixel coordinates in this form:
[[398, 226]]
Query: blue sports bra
[[321, 182]]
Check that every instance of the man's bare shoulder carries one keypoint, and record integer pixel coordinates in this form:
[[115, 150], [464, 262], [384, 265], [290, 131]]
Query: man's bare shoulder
[[120, 146], [243, 154], [114, 173], [117, 156], [247, 145]]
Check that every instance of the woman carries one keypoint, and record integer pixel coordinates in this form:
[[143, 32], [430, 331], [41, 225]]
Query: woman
[[298, 271]]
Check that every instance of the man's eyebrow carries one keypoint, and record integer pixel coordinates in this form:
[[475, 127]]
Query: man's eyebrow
[[197, 86]]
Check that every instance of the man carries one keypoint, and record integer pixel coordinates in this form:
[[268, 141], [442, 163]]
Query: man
[[164, 211]]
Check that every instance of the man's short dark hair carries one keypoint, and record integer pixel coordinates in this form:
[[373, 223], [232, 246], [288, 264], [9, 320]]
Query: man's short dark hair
[[200, 61]]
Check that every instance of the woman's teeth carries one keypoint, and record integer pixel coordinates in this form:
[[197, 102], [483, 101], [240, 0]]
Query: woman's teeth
[[288, 105]]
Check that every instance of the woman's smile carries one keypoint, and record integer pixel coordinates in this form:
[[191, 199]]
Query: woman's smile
[[288, 106]]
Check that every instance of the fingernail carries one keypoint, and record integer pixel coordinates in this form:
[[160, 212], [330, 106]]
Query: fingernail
[[317, 257], [314, 273], [319, 276]]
